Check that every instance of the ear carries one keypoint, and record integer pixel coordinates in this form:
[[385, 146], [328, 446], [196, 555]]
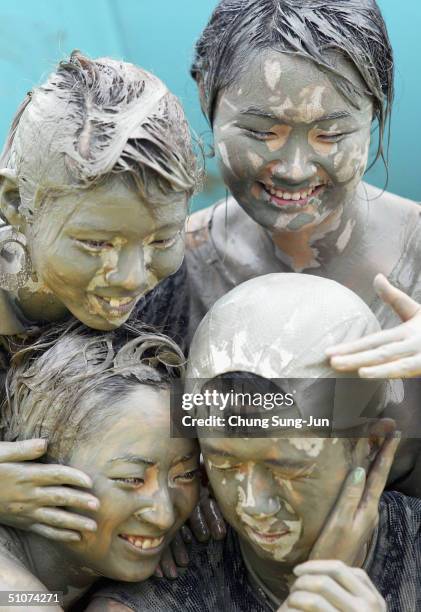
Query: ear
[[10, 197]]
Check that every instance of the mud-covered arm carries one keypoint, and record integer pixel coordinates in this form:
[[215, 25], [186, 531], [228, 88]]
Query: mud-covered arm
[[392, 353]]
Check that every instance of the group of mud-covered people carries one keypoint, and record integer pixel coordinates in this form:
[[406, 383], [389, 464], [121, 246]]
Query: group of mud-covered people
[[304, 276]]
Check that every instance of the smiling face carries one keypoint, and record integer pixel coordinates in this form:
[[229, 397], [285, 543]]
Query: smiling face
[[146, 483], [291, 148], [268, 492], [99, 250]]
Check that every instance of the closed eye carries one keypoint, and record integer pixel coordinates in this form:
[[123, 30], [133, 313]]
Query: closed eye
[[300, 474], [258, 135], [187, 476], [225, 467], [95, 245], [331, 137], [165, 243], [131, 481]]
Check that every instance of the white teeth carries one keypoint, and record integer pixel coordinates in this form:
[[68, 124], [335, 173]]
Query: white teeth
[[116, 302], [144, 543], [292, 195]]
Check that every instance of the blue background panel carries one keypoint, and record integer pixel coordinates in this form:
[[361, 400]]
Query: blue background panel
[[159, 35]]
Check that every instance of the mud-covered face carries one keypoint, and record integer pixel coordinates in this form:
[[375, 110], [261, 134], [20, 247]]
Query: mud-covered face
[[268, 490], [99, 250], [291, 148], [146, 483]]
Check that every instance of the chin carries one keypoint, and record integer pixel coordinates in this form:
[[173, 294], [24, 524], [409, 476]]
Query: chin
[[136, 572], [100, 323]]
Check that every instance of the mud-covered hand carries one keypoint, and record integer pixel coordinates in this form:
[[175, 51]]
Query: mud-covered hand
[[332, 586], [392, 353], [206, 520], [175, 555], [355, 514], [33, 496]]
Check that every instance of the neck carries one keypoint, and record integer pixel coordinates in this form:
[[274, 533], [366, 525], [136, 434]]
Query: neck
[[56, 569], [315, 246], [275, 576]]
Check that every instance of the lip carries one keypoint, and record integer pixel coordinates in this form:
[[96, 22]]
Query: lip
[[142, 552], [268, 538], [290, 203], [111, 306]]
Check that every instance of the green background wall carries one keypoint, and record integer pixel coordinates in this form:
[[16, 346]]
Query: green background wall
[[159, 35]]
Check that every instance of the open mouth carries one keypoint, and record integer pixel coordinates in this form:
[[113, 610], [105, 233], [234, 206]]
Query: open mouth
[[143, 543], [113, 307], [292, 199]]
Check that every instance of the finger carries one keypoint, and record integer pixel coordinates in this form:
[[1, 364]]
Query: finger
[[158, 572], [326, 587], [179, 551], [168, 566], [59, 535], [50, 475], [379, 472], [383, 354], [65, 496], [198, 525], [337, 570], [310, 602], [214, 519], [404, 306], [64, 520], [342, 515], [23, 450], [408, 367], [372, 341], [186, 534]]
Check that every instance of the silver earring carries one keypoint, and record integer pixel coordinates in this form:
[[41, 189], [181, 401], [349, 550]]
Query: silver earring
[[13, 255]]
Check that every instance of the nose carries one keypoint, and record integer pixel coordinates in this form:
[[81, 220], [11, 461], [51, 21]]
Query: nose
[[258, 499], [159, 512], [296, 167], [130, 272]]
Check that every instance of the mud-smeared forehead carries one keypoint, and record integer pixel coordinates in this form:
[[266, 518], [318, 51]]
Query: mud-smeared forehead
[[293, 88]]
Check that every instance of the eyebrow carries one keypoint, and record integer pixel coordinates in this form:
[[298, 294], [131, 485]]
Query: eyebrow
[[261, 112], [85, 227], [335, 115], [289, 463], [285, 463], [129, 458]]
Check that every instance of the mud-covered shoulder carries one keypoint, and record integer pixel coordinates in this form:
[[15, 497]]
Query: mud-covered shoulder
[[394, 222], [392, 207]]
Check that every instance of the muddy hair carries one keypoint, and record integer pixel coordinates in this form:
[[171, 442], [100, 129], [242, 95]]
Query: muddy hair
[[95, 118], [67, 383], [307, 28]]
